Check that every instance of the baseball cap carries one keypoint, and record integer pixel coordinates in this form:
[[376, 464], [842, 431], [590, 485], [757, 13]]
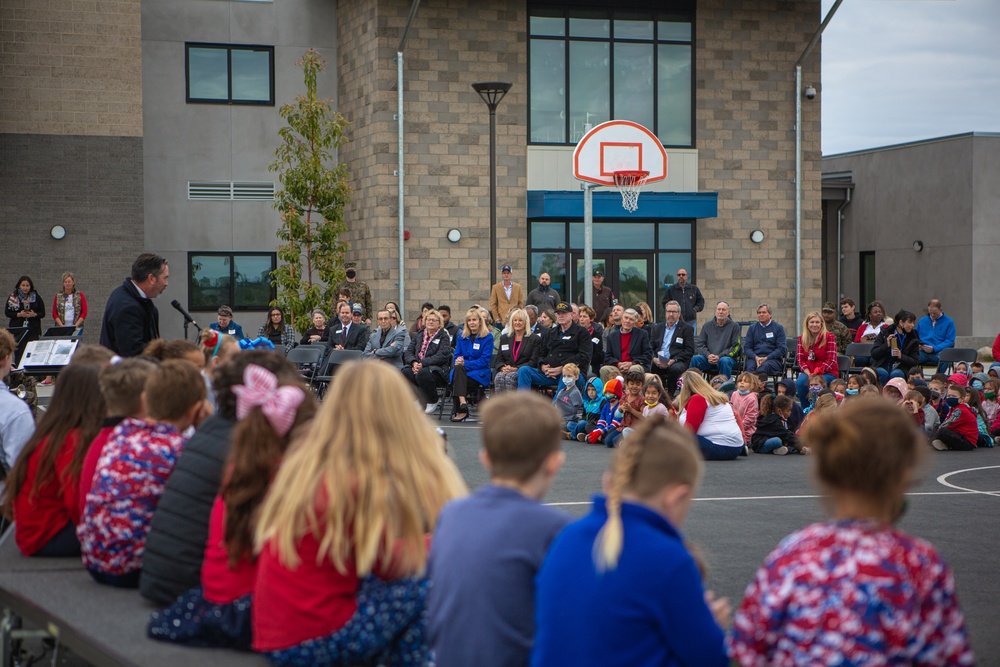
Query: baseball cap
[[598, 273], [226, 311], [357, 308], [505, 267], [563, 307], [829, 306]]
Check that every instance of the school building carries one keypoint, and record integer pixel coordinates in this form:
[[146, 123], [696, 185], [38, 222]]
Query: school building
[[149, 125]]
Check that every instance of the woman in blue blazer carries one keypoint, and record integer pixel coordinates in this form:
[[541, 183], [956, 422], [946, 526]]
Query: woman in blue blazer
[[473, 353]]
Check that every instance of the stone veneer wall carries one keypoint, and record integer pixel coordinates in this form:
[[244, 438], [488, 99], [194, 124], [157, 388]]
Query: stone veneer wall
[[447, 144], [745, 113]]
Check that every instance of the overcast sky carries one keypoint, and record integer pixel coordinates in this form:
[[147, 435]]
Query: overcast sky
[[904, 70]]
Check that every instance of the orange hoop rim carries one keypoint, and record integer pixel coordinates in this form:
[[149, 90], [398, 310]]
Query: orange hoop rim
[[630, 177]]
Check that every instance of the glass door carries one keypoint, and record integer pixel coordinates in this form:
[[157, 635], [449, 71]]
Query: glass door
[[628, 274]]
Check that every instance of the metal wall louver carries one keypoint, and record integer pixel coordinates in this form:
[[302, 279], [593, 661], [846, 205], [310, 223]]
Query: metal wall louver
[[230, 191]]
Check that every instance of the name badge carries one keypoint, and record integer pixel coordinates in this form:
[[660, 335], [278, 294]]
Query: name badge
[[475, 346], [232, 332], [595, 341], [769, 334], [567, 337], [435, 341], [505, 347], [678, 340]]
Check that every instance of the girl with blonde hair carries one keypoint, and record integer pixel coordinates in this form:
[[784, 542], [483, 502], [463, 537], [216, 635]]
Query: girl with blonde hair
[[619, 586], [341, 536], [707, 413]]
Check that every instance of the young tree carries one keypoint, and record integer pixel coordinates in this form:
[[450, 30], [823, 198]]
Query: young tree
[[314, 192]]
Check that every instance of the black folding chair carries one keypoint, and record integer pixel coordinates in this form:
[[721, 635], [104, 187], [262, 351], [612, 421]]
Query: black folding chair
[[336, 358], [307, 359], [844, 366], [858, 351], [953, 355]]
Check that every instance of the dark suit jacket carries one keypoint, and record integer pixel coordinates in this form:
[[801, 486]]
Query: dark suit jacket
[[531, 347], [130, 321], [438, 356], [357, 336], [639, 349], [681, 347]]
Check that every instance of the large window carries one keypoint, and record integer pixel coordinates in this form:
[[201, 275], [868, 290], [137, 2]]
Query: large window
[[241, 280], [229, 74], [589, 66]]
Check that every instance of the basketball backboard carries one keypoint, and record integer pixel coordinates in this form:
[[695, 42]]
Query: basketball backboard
[[618, 145]]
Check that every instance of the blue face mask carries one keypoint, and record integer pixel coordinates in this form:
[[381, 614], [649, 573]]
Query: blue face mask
[[815, 390], [977, 384], [743, 392], [951, 401], [852, 392]]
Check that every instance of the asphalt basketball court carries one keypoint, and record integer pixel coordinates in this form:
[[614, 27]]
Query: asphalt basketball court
[[745, 507]]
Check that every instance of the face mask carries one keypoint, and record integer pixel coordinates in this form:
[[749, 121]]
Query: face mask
[[990, 395], [569, 380], [936, 395], [351, 273], [852, 392], [650, 403], [977, 384], [743, 392], [815, 390], [951, 401]]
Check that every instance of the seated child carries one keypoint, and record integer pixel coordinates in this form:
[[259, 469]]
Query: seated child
[[630, 405], [43, 487], [895, 389], [656, 402], [838, 387], [217, 613], [787, 387], [487, 547], [568, 400], [869, 390], [608, 421], [619, 586], [136, 462], [913, 403], [931, 420], [744, 401], [975, 402], [817, 383], [976, 367], [990, 405], [814, 599], [827, 400], [592, 404], [773, 435], [959, 430]]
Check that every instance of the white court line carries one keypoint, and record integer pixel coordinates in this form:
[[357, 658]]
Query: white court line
[[959, 492], [943, 479]]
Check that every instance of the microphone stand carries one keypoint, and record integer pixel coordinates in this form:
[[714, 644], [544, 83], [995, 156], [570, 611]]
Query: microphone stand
[[186, 327]]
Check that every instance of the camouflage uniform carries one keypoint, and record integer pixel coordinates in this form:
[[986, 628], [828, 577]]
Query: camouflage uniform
[[359, 293], [842, 334]]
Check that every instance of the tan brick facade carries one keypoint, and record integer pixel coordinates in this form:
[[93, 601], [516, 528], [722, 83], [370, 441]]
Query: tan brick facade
[[447, 144], [71, 67], [745, 113]]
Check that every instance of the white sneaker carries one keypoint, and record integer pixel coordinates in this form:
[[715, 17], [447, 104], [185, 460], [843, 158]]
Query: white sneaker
[[780, 451], [939, 445], [432, 408]]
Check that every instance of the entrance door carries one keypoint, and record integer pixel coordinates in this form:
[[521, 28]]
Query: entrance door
[[628, 274]]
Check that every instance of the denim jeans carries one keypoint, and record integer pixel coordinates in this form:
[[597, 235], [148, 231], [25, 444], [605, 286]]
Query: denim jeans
[[884, 375], [770, 445], [528, 377], [725, 365], [714, 452], [612, 437], [932, 358], [802, 386]]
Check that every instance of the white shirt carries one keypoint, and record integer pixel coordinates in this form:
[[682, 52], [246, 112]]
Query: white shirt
[[70, 314], [719, 426], [668, 339], [16, 427], [507, 289]]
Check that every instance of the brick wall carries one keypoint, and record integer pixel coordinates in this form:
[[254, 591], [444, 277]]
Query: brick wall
[[71, 67], [745, 115], [447, 144]]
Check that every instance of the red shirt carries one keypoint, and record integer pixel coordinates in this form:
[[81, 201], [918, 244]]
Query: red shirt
[[965, 422], [626, 345], [824, 356], [90, 462], [39, 517], [220, 583]]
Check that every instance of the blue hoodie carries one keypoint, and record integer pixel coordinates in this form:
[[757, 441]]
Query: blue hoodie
[[592, 408]]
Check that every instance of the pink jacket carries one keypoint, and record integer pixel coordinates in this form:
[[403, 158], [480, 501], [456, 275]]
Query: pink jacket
[[747, 408]]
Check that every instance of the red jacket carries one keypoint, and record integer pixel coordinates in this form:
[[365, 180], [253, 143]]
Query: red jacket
[[221, 583], [38, 518], [823, 353], [962, 420], [996, 349], [861, 330]]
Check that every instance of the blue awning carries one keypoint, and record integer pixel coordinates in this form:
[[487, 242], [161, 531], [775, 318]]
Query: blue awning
[[568, 205]]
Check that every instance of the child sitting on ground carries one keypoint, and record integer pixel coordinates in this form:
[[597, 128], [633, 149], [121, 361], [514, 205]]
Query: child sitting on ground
[[745, 403], [655, 402], [817, 383], [870, 390], [931, 420], [895, 389], [787, 387], [913, 403], [827, 400], [959, 430], [136, 462], [488, 546], [773, 435], [217, 613], [607, 422], [619, 586], [592, 404], [990, 405], [568, 400], [630, 406], [975, 403], [814, 599], [43, 487]]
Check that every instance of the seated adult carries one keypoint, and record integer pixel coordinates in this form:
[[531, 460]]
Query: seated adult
[[874, 322], [546, 321], [708, 414], [936, 332], [471, 370], [418, 324], [588, 320], [387, 342], [318, 332], [518, 347], [897, 348], [840, 332], [175, 547], [673, 347], [427, 359], [765, 344], [568, 342], [345, 333], [275, 329], [612, 319], [816, 354], [626, 346], [532, 318], [716, 343], [849, 316], [224, 323], [645, 321], [453, 329]]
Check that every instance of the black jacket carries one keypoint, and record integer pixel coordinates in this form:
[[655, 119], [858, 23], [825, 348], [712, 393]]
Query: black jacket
[[438, 356], [681, 347], [34, 323], [910, 350], [597, 339], [771, 426], [175, 546], [639, 349], [562, 347], [130, 321], [357, 335], [690, 298], [531, 348]]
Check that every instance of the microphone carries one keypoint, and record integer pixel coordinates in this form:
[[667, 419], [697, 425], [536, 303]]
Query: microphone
[[187, 316]]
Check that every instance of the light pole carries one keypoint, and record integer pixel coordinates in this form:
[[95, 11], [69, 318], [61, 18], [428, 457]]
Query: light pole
[[492, 92]]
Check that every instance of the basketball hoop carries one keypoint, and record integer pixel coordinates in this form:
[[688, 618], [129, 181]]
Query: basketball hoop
[[629, 184]]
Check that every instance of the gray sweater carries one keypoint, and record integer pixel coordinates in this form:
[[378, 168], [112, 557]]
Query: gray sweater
[[713, 339]]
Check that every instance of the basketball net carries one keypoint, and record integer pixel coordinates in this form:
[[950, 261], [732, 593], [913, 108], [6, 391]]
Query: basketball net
[[629, 184]]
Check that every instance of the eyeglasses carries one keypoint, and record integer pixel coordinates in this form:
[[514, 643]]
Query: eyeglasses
[[673, 311]]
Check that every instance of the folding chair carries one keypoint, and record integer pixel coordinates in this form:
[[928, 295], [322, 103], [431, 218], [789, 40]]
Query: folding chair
[[856, 350], [844, 366], [321, 381], [952, 355], [307, 358]]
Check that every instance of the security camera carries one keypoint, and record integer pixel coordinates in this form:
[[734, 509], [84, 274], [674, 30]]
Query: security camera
[[810, 93]]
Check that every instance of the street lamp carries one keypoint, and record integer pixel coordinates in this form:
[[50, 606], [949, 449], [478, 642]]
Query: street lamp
[[492, 92]]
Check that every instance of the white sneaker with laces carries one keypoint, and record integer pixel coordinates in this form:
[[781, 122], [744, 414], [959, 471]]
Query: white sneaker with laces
[[780, 451], [432, 408], [939, 445]]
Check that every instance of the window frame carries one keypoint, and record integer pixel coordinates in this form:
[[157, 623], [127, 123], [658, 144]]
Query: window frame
[[228, 48], [555, 9], [232, 255]]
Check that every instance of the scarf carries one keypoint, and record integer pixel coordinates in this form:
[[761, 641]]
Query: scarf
[[18, 299], [423, 345], [61, 306]]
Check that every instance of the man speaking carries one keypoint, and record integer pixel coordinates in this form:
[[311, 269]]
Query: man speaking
[[130, 318]]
